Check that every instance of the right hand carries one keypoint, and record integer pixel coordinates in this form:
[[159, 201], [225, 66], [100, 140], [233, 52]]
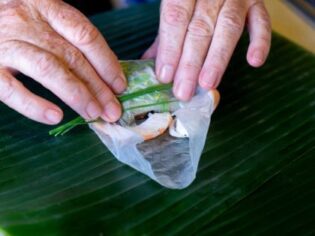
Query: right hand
[[58, 47]]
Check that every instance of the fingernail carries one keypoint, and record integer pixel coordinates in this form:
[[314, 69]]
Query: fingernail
[[209, 79], [258, 57], [120, 85], [93, 110], [53, 116], [166, 74], [184, 91], [112, 111]]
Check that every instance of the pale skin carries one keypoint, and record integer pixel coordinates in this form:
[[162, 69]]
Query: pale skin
[[58, 47]]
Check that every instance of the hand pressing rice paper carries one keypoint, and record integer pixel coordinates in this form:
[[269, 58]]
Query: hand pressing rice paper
[[157, 134]]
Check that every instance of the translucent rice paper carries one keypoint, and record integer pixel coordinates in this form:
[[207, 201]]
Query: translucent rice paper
[[170, 161]]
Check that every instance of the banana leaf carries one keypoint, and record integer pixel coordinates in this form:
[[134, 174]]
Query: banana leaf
[[255, 174], [282, 206]]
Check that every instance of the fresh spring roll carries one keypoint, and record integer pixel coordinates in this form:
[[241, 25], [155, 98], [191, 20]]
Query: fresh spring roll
[[157, 134]]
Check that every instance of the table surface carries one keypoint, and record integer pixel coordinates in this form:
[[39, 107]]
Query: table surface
[[289, 23]]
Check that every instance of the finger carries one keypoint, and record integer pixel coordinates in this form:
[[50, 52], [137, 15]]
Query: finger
[[152, 51], [259, 28], [45, 68], [175, 18], [197, 41], [78, 64], [79, 31], [228, 30], [16, 96]]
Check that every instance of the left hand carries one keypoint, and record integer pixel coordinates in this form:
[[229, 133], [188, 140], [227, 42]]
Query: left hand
[[197, 39]]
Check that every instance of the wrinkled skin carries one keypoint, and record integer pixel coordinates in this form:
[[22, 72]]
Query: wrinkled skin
[[58, 47], [197, 38]]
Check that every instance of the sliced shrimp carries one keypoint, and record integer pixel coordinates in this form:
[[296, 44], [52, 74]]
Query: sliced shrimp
[[215, 97], [154, 126], [178, 130]]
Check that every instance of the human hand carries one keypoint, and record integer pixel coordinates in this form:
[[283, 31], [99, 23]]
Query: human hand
[[197, 38], [58, 47]]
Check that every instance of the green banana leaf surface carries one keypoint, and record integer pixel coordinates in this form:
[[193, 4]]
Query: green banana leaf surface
[[256, 175]]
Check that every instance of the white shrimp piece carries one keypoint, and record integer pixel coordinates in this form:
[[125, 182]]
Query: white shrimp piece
[[178, 130], [154, 126]]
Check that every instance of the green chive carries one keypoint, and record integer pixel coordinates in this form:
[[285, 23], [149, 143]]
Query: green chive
[[65, 128], [151, 104], [139, 93]]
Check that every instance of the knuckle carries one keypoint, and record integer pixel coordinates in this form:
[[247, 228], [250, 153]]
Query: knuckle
[[170, 54], [221, 56], [13, 9], [176, 14], [77, 93], [112, 80], [74, 58], [232, 22], [216, 67], [99, 91], [46, 63], [110, 71], [190, 79], [7, 88], [265, 39], [200, 27], [103, 93], [109, 67], [264, 20], [86, 34], [49, 36], [191, 66]]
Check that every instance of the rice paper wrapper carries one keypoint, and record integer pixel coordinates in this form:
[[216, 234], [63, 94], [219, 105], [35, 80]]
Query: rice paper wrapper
[[170, 161]]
